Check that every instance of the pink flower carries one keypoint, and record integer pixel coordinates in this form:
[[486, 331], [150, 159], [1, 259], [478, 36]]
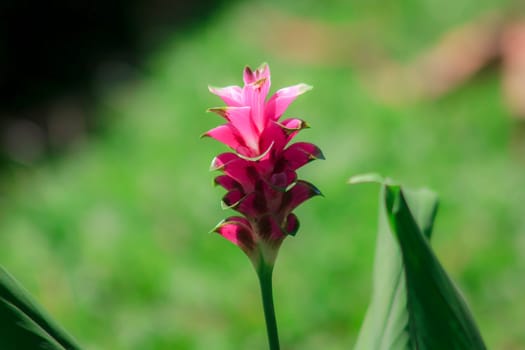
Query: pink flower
[[260, 174]]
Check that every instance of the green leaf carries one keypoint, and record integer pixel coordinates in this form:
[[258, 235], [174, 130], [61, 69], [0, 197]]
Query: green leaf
[[23, 324], [414, 305]]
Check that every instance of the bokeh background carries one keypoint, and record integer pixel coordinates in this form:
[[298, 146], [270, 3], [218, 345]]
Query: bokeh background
[[106, 200]]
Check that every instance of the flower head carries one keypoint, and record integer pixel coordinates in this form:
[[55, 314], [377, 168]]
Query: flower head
[[260, 174]]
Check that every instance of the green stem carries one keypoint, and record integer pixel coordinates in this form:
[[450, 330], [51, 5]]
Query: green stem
[[265, 281]]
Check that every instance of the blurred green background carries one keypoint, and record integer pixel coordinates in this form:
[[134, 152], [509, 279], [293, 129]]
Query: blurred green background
[[111, 237]]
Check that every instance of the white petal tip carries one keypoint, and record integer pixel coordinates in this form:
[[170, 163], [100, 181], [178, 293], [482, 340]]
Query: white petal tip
[[304, 88]]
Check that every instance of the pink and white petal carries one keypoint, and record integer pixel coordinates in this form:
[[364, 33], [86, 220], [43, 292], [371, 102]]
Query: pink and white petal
[[255, 91], [238, 231], [226, 111], [231, 95], [255, 96], [263, 83], [298, 194], [261, 80], [233, 114], [240, 119], [301, 153], [263, 72], [249, 95], [226, 134], [279, 102]]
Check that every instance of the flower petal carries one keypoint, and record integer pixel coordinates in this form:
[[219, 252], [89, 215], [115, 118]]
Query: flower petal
[[218, 110], [275, 134], [291, 225], [292, 126], [252, 205], [232, 198], [270, 197], [238, 231], [227, 182], [256, 158], [226, 134], [257, 85], [281, 180], [243, 173], [254, 96], [298, 194], [240, 119], [250, 77], [237, 168], [269, 229], [223, 159], [280, 101], [231, 95], [300, 153]]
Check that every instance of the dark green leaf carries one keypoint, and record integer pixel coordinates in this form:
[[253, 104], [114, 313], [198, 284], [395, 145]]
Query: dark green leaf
[[414, 304], [23, 324]]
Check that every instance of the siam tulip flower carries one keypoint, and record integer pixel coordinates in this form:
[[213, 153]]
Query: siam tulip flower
[[260, 172]]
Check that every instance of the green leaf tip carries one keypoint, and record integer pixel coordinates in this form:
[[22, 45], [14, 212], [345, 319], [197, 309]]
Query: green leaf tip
[[24, 324], [415, 304]]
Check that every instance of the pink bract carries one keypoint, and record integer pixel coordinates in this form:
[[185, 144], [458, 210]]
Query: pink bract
[[260, 174]]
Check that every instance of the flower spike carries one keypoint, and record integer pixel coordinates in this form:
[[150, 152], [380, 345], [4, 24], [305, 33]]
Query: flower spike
[[259, 174]]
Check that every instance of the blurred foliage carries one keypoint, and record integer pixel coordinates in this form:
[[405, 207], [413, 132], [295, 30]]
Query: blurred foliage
[[112, 238]]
